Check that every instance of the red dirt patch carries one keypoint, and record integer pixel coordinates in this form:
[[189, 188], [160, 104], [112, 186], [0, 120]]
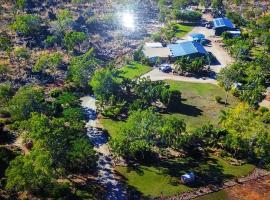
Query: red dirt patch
[[253, 190]]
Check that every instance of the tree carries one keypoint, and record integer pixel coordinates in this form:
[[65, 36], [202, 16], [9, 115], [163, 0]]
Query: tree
[[171, 130], [26, 100], [227, 77], [82, 68], [48, 63], [62, 24], [6, 92], [27, 24], [189, 16], [244, 129], [145, 131], [32, 172], [189, 65], [105, 83], [5, 43], [74, 38], [3, 71], [61, 137]]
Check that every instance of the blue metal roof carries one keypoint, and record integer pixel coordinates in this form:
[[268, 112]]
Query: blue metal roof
[[186, 48], [222, 22], [197, 35]]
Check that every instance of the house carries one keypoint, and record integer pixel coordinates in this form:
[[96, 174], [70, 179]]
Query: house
[[222, 24], [188, 178], [186, 48], [197, 37]]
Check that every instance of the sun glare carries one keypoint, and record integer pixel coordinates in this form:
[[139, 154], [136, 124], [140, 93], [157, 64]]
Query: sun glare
[[128, 20]]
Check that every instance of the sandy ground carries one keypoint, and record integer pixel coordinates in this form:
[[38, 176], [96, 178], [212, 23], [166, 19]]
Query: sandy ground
[[156, 75]]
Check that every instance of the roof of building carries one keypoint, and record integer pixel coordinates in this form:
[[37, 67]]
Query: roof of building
[[153, 44], [186, 48], [222, 22], [163, 52], [197, 35]]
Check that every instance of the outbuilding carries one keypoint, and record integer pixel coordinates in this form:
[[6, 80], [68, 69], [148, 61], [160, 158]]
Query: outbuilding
[[154, 54], [222, 24], [188, 178], [197, 37]]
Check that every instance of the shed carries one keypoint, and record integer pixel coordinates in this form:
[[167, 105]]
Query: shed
[[186, 48], [188, 178], [153, 54], [153, 45], [222, 24], [236, 33], [198, 37]]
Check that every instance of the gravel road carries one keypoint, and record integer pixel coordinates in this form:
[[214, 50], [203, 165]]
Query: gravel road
[[106, 176]]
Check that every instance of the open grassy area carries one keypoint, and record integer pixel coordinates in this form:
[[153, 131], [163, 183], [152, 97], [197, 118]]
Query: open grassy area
[[111, 126], [198, 105], [182, 30], [162, 179], [134, 70]]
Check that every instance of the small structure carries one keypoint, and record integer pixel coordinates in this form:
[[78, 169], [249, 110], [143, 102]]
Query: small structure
[[222, 24], [153, 45], [187, 48], [155, 52], [197, 37], [236, 33], [188, 178]]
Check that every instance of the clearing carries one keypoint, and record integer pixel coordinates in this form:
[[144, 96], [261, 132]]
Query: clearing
[[163, 177], [198, 105], [134, 70]]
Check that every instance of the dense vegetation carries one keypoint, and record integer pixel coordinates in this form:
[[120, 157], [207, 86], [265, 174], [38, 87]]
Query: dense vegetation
[[47, 62]]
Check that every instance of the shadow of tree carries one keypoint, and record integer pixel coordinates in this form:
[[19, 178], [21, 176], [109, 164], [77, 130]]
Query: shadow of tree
[[186, 109], [206, 169]]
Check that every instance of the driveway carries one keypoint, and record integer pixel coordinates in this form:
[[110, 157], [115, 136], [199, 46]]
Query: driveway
[[156, 75], [216, 49]]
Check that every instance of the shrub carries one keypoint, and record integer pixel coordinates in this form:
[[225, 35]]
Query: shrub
[[218, 99], [266, 117], [21, 52], [263, 110], [4, 113], [55, 92]]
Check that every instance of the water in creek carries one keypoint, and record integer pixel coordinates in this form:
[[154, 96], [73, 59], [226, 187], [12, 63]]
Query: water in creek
[[106, 177]]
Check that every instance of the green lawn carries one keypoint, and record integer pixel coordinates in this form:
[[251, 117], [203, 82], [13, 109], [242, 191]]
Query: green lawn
[[162, 179], [134, 70], [198, 105], [111, 126], [197, 108], [183, 30]]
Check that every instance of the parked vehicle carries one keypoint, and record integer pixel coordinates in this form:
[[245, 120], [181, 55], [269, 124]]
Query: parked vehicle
[[209, 25], [165, 68]]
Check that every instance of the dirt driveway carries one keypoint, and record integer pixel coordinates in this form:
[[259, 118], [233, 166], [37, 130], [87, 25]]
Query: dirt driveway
[[216, 49], [156, 75]]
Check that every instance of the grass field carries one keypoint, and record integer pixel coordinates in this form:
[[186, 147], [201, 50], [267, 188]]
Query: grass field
[[198, 105], [162, 179], [134, 70], [182, 30]]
